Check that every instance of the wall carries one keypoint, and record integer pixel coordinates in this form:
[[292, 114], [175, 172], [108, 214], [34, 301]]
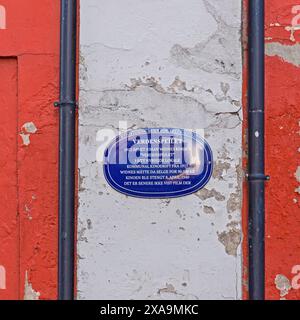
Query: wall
[[29, 57], [161, 64], [283, 142], [152, 63]]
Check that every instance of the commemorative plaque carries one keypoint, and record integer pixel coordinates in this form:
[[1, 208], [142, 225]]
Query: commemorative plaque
[[158, 163]]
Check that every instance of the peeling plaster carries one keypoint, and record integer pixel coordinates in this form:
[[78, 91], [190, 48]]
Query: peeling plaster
[[220, 168], [27, 129], [297, 174], [234, 202], [231, 240], [150, 82], [283, 285], [168, 289], [2, 278], [29, 292], [26, 139], [208, 210], [205, 194]]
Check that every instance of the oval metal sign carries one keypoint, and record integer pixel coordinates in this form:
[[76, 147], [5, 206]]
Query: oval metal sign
[[158, 163]]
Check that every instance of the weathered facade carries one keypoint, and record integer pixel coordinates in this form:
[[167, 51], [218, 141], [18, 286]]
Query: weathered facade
[[147, 64]]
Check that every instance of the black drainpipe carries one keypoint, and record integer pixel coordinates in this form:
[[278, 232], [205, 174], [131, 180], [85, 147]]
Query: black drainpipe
[[256, 169], [67, 115]]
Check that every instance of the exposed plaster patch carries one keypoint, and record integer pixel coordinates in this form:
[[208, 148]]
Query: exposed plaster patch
[[25, 138], [231, 240], [29, 292], [2, 278], [208, 210], [283, 285], [150, 82], [177, 85], [30, 127], [297, 174], [233, 203], [219, 169], [289, 54], [205, 194], [168, 289], [27, 129]]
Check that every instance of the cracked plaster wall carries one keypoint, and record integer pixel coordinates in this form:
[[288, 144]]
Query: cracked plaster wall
[[161, 64]]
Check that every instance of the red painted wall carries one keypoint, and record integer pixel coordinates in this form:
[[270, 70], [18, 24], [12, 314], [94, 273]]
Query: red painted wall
[[28, 216], [282, 154], [9, 233]]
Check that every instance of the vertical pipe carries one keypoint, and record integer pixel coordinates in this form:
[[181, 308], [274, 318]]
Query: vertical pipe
[[256, 169], [67, 114]]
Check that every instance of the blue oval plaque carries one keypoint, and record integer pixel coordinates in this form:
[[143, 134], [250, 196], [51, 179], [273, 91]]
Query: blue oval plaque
[[158, 163]]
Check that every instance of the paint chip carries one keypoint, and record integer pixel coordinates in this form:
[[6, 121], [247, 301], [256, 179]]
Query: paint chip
[[208, 210], [26, 139], [168, 289], [30, 127], [231, 240], [29, 292], [2, 278], [283, 285], [27, 129], [297, 174]]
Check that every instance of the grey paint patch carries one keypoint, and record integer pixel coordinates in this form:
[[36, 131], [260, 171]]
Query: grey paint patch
[[287, 53], [29, 292]]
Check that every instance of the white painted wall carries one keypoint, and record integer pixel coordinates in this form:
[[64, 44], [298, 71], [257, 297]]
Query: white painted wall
[[161, 63]]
